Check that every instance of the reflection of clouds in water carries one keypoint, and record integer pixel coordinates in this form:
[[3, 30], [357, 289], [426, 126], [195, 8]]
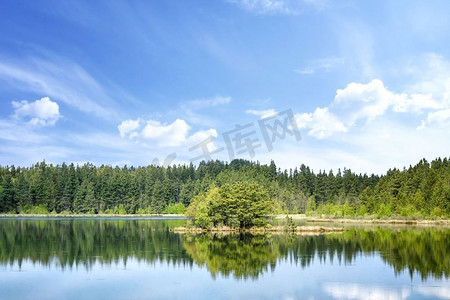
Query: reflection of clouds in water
[[435, 291], [360, 291]]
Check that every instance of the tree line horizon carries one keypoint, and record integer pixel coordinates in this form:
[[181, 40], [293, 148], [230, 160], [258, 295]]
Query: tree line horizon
[[419, 191]]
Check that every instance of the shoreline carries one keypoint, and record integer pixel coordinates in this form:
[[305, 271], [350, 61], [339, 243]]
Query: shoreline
[[297, 217]]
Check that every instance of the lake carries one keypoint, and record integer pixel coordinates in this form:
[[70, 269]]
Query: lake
[[140, 258]]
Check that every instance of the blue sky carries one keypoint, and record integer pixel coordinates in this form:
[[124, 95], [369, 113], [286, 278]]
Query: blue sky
[[128, 82]]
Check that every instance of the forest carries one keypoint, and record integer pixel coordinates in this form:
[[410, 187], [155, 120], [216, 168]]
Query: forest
[[419, 191]]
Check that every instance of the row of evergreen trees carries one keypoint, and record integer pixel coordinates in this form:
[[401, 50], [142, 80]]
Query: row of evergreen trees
[[422, 190]]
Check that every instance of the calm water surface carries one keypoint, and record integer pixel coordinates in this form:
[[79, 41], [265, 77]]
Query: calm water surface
[[141, 259]]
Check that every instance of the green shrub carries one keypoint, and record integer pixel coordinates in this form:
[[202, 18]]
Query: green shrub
[[410, 211], [144, 211], [384, 210], [310, 206], [348, 210], [362, 211], [175, 208], [35, 210], [120, 210], [437, 213]]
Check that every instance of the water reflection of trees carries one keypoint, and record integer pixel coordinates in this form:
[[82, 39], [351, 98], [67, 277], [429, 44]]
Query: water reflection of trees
[[240, 255], [68, 243], [425, 251]]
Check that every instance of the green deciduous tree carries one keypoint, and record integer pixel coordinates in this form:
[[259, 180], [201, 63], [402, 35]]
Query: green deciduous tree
[[239, 204]]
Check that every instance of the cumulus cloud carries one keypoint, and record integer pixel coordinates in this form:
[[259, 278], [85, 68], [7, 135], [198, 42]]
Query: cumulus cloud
[[128, 127], [202, 135], [174, 134], [416, 103], [261, 113], [440, 118], [364, 102], [42, 112], [166, 135], [321, 123]]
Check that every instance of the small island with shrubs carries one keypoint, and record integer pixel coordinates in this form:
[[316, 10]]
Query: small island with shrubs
[[241, 206]]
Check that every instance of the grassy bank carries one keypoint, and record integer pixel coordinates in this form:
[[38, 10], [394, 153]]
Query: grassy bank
[[365, 220]]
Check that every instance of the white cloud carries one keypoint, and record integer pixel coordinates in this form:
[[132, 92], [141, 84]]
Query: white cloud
[[209, 102], [166, 135], [128, 127], [202, 135], [154, 133], [321, 65], [440, 118], [364, 102], [60, 79], [264, 6], [368, 101], [261, 113], [415, 103], [321, 123], [43, 112], [360, 291], [190, 110], [441, 292], [283, 7], [12, 133], [430, 74], [370, 128]]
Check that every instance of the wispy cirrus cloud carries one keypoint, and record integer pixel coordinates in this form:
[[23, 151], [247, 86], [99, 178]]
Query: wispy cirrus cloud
[[207, 102], [285, 7], [321, 65], [59, 79], [195, 110], [261, 113]]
